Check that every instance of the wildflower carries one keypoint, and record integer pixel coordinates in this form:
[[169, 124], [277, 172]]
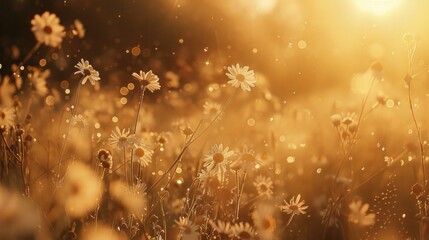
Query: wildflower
[[7, 117], [264, 221], [38, 81], [212, 110], [78, 30], [133, 200], [241, 77], [105, 158], [408, 37], [143, 154], [82, 190], [358, 214], [47, 29], [243, 230], [294, 207], [217, 159], [19, 216], [336, 120], [247, 159], [264, 186], [87, 71], [79, 122], [222, 228], [208, 179], [148, 80], [187, 229], [6, 91], [120, 138], [417, 189]]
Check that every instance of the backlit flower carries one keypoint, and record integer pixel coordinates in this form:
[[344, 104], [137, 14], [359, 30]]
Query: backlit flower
[[38, 81], [7, 117], [241, 77], [120, 139], [212, 110], [148, 80], [264, 186], [243, 231], [78, 30], [358, 214], [217, 159], [82, 190], [87, 71], [143, 154], [47, 29], [294, 207]]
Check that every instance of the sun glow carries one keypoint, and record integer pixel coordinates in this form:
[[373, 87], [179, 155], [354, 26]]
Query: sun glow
[[378, 7]]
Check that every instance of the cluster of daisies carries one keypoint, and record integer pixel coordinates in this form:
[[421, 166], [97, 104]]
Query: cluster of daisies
[[228, 184]]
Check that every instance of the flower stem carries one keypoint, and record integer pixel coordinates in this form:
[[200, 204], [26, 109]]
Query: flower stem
[[134, 132]]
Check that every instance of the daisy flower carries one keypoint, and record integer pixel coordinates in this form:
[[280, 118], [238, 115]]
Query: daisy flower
[[82, 190], [7, 117], [358, 214], [133, 199], [120, 138], [187, 229], [217, 159], [78, 30], [212, 110], [87, 71], [38, 81], [241, 77], [243, 230], [47, 29], [148, 80], [79, 122], [264, 186], [264, 221], [208, 179], [248, 159], [294, 207], [222, 228], [143, 154]]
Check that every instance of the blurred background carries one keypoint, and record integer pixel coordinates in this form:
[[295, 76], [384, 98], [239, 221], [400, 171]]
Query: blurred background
[[301, 47]]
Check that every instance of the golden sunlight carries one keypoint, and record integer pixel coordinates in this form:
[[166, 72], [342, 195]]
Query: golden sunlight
[[378, 7], [214, 120]]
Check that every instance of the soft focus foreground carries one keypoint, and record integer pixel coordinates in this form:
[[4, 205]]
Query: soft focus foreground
[[188, 119]]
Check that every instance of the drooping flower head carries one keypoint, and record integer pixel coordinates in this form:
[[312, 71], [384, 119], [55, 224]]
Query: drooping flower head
[[87, 71]]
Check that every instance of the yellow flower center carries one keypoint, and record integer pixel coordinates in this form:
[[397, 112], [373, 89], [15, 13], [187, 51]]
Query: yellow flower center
[[47, 30], [218, 157], [249, 158], [293, 207], [240, 77], [213, 110], [263, 188], [140, 152], [122, 139]]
